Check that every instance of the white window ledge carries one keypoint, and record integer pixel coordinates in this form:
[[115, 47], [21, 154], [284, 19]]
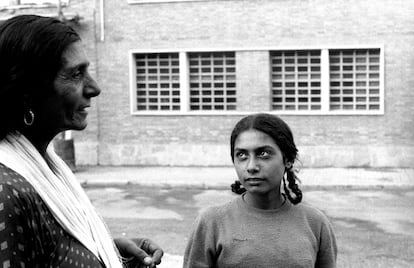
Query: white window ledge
[[160, 1], [231, 113]]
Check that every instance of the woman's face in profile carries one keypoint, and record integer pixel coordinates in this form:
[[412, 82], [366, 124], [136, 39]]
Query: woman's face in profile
[[259, 162], [67, 108]]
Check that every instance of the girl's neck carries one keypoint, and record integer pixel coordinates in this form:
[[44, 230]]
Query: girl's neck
[[266, 202]]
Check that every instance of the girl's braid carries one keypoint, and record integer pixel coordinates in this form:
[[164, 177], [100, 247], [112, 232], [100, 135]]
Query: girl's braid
[[237, 188], [291, 177]]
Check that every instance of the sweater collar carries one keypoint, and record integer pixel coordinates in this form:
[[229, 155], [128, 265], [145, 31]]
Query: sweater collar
[[243, 204]]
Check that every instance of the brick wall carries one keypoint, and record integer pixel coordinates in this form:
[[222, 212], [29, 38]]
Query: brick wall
[[253, 93], [116, 137], [323, 140]]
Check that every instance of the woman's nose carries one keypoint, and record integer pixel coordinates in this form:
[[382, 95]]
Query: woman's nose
[[91, 87]]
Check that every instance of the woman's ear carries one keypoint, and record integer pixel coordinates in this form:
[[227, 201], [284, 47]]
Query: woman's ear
[[288, 165]]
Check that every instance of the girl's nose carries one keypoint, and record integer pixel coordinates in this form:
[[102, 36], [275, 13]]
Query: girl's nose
[[252, 165]]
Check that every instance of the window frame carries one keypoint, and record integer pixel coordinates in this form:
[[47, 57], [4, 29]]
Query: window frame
[[325, 82], [185, 86], [287, 79], [221, 72], [174, 56]]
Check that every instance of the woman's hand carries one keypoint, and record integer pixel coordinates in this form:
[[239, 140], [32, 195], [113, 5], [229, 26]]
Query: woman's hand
[[139, 252]]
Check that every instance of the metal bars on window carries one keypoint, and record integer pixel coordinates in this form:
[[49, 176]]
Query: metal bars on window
[[354, 79], [314, 81], [327, 80], [157, 82], [212, 81], [296, 80]]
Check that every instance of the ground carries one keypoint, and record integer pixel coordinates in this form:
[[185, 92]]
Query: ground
[[374, 227]]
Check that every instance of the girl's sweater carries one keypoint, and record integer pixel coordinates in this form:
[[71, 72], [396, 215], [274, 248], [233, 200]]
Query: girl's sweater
[[238, 235]]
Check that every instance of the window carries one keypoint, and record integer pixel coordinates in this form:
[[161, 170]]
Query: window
[[354, 79], [183, 82], [212, 81], [327, 80], [296, 80], [157, 81], [302, 81], [31, 3]]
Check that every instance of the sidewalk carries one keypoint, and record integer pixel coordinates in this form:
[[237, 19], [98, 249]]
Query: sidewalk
[[222, 177]]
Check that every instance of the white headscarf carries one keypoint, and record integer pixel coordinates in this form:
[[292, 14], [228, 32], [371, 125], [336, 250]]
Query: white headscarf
[[62, 193]]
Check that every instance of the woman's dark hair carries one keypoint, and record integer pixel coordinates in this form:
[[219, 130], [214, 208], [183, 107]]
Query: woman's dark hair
[[31, 49], [280, 132]]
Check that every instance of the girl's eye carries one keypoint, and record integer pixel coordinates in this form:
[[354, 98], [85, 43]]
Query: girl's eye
[[264, 154], [241, 155]]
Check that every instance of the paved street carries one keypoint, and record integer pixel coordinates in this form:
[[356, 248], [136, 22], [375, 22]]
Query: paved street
[[374, 227]]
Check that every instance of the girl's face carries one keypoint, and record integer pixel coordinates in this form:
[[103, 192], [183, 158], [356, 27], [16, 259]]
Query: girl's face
[[259, 163]]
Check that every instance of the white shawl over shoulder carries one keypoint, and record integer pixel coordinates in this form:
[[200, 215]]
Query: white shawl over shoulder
[[60, 190]]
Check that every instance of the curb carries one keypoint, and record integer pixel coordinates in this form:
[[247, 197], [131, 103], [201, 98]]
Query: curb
[[105, 184], [223, 177]]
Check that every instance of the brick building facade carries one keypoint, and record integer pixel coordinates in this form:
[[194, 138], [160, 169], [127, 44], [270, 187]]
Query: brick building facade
[[177, 75]]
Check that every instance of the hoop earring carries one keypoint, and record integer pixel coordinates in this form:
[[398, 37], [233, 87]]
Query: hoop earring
[[28, 117]]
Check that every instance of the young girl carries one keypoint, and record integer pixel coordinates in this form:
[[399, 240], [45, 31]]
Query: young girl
[[263, 227]]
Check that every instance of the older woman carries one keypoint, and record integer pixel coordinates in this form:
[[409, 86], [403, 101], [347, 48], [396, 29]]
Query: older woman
[[46, 219]]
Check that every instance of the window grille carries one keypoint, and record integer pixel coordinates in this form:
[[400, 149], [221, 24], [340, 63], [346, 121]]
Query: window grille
[[212, 81], [296, 80], [158, 81], [311, 81], [354, 79]]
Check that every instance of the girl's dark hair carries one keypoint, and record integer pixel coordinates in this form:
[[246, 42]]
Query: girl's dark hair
[[280, 132], [31, 49]]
